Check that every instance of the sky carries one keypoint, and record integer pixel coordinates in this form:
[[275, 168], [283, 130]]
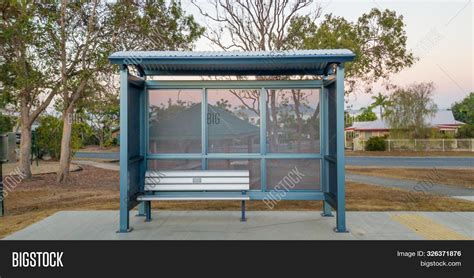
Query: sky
[[440, 33]]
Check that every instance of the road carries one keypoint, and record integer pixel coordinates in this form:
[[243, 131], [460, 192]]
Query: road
[[382, 161], [97, 155]]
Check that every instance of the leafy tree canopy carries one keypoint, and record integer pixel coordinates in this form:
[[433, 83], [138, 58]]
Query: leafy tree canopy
[[378, 39], [367, 115], [463, 111]]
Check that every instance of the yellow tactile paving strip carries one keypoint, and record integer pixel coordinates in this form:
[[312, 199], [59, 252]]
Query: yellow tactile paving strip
[[427, 228]]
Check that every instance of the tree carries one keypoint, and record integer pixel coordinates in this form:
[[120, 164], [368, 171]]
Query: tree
[[49, 136], [463, 111], [87, 32], [252, 25], [249, 25], [28, 83], [367, 115], [377, 38], [381, 101], [101, 111], [410, 108]]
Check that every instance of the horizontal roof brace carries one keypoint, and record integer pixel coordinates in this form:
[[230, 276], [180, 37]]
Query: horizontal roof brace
[[232, 84]]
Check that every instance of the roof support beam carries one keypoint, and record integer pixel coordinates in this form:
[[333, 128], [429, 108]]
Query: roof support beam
[[232, 84]]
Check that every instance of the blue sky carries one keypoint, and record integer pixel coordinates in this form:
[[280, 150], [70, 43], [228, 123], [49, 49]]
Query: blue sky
[[439, 32]]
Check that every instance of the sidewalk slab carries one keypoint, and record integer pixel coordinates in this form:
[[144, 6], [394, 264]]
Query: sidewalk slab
[[225, 225]]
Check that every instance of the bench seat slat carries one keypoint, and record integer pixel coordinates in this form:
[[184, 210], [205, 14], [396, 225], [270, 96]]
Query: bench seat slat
[[193, 180], [193, 195], [203, 198], [197, 173], [196, 187]]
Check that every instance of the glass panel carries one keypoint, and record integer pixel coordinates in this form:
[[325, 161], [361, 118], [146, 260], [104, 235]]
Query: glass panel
[[293, 120], [293, 174], [175, 121], [253, 165], [233, 118], [178, 164]]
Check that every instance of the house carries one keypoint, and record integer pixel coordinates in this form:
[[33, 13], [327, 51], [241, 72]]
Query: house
[[443, 121]]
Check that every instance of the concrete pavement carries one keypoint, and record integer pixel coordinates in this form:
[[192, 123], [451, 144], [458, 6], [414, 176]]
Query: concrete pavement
[[261, 225]]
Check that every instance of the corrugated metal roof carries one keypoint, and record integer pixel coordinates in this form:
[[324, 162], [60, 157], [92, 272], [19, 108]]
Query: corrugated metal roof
[[232, 63]]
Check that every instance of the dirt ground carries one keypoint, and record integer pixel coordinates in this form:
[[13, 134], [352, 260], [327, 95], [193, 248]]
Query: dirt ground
[[43, 167], [454, 177], [98, 189]]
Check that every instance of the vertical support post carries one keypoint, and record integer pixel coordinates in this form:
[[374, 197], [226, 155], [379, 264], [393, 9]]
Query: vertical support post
[[341, 192], [143, 109], [324, 148], [204, 129], [124, 179], [263, 138]]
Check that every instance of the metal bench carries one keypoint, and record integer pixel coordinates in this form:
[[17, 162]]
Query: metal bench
[[203, 185]]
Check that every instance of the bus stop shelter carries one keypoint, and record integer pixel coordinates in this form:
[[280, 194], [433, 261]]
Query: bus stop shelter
[[279, 115]]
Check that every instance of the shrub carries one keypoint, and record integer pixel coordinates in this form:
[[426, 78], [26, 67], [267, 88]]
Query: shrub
[[6, 123], [49, 135], [465, 131], [375, 144]]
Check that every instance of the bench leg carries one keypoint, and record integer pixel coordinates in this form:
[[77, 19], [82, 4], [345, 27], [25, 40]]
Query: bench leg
[[147, 211], [141, 209], [243, 219]]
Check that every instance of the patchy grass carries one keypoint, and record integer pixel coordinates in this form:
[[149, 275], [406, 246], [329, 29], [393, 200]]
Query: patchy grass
[[455, 177], [98, 189], [409, 153]]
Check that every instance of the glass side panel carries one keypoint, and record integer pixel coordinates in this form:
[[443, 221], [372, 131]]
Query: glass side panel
[[177, 164], [293, 120], [253, 165], [293, 174], [174, 121], [233, 119]]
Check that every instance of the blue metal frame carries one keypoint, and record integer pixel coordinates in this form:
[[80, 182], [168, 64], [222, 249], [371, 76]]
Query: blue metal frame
[[340, 162], [332, 196], [124, 212], [263, 155]]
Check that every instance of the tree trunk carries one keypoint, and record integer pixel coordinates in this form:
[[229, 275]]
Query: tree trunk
[[25, 149], [65, 158]]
